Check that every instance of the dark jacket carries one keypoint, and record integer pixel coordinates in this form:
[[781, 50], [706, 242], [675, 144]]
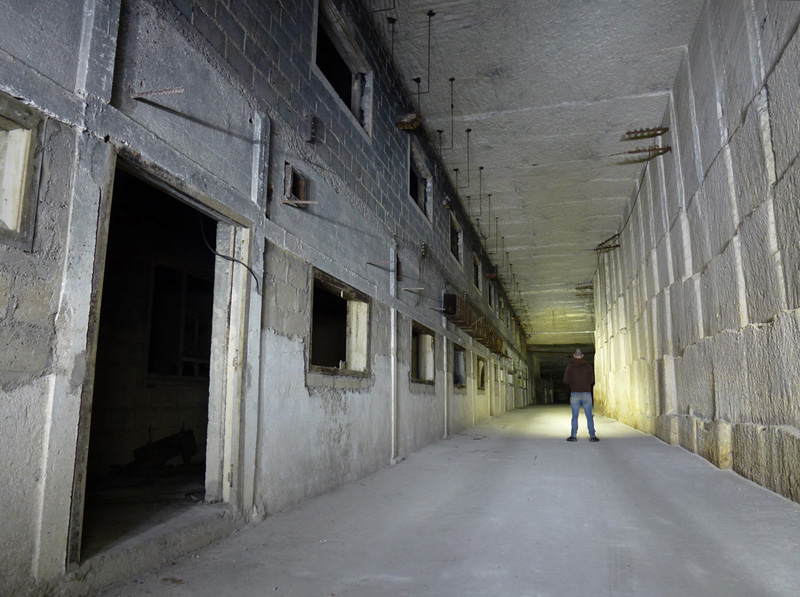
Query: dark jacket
[[579, 376]]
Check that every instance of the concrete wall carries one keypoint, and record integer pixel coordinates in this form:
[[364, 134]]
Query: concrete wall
[[209, 100], [697, 312]]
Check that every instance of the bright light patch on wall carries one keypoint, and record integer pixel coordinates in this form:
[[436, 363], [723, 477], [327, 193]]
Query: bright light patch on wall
[[15, 151]]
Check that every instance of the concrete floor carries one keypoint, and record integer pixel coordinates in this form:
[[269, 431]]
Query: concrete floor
[[510, 508]]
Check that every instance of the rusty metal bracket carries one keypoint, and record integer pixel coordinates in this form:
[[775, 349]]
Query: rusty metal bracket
[[650, 133], [652, 152]]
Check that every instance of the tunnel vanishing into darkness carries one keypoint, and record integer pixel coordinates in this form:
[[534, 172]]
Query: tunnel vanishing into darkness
[[417, 213]]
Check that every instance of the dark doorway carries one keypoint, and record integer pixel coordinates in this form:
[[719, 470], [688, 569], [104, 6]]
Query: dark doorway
[[149, 421]]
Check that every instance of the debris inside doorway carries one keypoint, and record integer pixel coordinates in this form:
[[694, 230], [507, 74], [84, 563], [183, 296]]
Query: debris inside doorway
[[155, 454]]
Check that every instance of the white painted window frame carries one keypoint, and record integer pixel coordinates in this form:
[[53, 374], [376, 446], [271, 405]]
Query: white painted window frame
[[21, 131]]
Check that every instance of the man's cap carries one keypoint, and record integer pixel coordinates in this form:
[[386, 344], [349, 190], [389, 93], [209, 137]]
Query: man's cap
[[578, 353]]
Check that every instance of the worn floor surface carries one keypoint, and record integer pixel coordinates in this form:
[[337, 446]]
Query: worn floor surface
[[510, 508]]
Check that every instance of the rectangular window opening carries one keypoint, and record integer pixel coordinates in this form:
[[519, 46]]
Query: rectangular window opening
[[456, 238], [480, 374], [341, 62], [339, 327], [295, 186], [418, 188], [459, 367], [18, 134], [476, 271], [422, 353]]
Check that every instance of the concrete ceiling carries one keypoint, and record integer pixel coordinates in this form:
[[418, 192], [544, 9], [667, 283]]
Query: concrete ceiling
[[549, 89]]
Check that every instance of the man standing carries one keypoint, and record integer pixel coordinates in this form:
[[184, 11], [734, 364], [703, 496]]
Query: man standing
[[579, 376]]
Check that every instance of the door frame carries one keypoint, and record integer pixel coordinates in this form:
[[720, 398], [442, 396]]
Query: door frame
[[228, 332]]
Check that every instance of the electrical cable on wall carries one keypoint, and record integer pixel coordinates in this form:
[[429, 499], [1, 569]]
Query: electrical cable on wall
[[233, 259]]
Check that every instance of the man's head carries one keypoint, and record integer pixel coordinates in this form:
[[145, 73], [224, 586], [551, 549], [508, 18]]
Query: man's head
[[578, 354]]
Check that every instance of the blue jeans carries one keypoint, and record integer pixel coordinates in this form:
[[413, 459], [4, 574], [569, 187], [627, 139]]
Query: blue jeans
[[576, 400]]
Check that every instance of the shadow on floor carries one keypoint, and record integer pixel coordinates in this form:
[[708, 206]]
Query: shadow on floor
[[131, 503]]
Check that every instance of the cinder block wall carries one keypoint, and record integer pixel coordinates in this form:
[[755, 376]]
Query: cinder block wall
[[243, 84], [698, 320]]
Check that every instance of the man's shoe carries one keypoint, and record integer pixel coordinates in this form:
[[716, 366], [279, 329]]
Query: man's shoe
[[572, 438], [594, 439]]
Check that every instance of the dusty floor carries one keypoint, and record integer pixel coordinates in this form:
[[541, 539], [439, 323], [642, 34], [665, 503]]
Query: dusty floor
[[510, 508], [121, 511]]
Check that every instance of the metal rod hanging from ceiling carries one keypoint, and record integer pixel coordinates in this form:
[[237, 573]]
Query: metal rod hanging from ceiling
[[430, 14], [452, 121], [480, 199], [489, 199], [468, 131]]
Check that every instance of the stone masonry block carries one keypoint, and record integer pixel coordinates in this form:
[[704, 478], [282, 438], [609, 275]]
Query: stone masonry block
[[766, 373], [778, 24], [676, 305], [654, 331], [646, 220], [659, 206], [635, 295], [704, 438], [730, 43], [787, 225], [682, 390], [731, 389], [669, 389], [750, 177], [687, 433], [785, 341], [667, 429], [704, 85], [698, 380], [662, 393], [790, 259], [722, 454], [664, 263], [749, 446], [649, 401], [700, 247], [683, 94], [783, 461], [763, 280], [784, 95], [662, 324], [639, 240], [717, 209], [720, 293], [679, 247], [693, 310]]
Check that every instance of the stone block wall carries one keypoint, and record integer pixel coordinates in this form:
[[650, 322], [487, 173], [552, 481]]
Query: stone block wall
[[713, 233]]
